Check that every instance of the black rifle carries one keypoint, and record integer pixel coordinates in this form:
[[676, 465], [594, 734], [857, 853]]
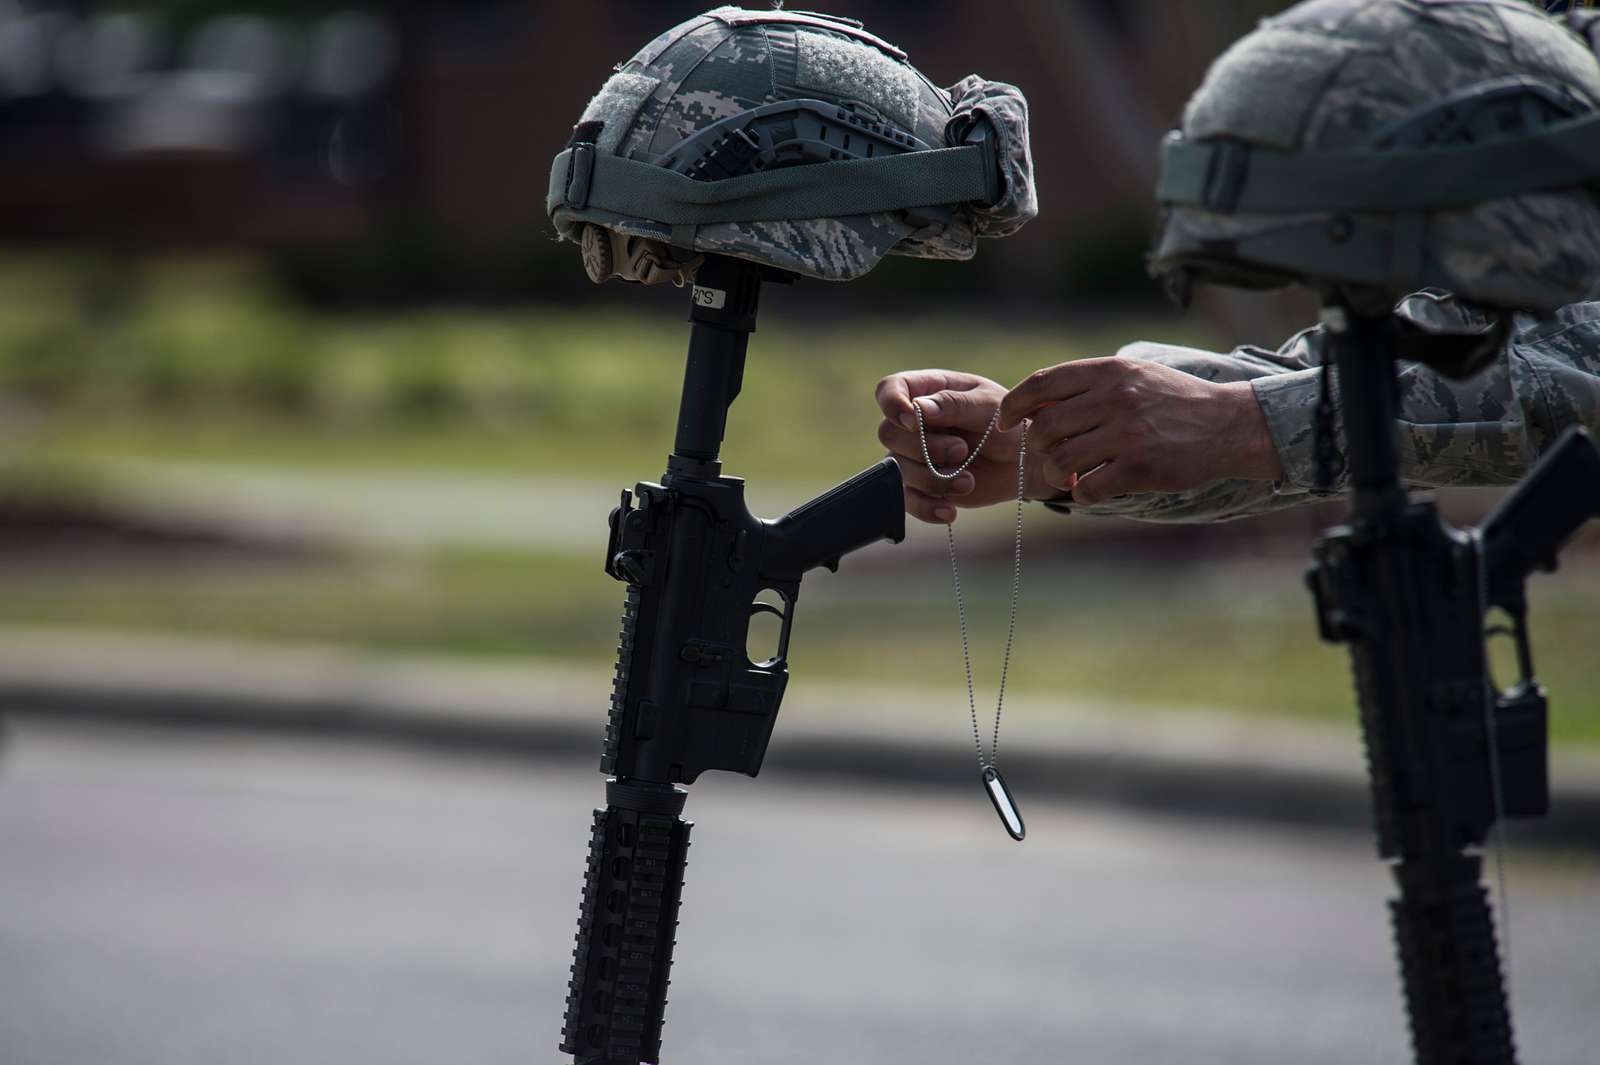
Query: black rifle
[[686, 697], [1447, 753]]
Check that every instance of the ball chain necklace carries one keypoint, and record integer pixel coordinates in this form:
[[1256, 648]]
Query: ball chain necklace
[[994, 785]]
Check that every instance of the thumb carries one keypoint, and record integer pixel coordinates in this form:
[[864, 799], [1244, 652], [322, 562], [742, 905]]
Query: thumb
[[957, 409]]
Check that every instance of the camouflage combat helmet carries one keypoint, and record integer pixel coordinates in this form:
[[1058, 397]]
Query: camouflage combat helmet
[[1389, 146], [792, 139]]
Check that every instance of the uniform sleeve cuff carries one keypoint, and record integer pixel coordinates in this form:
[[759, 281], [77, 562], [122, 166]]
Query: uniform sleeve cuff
[[1289, 404], [1061, 504]]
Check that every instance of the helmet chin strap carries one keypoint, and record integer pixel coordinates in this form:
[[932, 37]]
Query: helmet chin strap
[[608, 254]]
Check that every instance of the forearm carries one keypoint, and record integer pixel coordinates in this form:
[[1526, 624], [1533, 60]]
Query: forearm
[[1485, 430]]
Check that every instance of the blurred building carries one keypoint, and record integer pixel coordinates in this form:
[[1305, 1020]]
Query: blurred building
[[404, 147]]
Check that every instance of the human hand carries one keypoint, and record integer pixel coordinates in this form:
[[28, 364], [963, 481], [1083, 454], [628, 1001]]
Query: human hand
[[1119, 425], [956, 408]]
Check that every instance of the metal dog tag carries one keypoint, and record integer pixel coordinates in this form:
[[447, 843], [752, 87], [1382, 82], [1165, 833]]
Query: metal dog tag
[[1004, 804]]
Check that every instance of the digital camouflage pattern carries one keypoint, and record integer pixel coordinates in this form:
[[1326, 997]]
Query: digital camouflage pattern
[[1485, 430], [974, 99], [1332, 75], [730, 60]]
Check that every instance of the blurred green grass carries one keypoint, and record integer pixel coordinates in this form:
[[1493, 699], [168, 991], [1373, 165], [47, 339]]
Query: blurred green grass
[[1235, 635], [205, 359]]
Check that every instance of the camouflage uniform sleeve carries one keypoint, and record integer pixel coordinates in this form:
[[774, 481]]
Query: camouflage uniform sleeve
[[1486, 430]]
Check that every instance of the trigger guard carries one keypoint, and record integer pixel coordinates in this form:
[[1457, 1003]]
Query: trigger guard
[[785, 618]]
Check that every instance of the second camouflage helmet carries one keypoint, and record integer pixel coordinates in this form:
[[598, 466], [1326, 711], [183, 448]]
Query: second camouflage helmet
[[1393, 145], [791, 139]]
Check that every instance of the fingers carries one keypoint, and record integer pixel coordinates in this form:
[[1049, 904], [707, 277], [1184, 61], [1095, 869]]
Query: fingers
[[953, 408], [1050, 385], [1059, 421], [946, 449], [1108, 482], [894, 392], [914, 474], [928, 509], [1078, 455]]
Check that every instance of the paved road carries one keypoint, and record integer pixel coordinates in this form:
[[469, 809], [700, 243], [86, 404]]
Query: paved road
[[174, 898]]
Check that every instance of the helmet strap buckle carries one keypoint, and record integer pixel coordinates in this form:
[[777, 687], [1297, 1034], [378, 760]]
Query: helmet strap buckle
[[580, 175]]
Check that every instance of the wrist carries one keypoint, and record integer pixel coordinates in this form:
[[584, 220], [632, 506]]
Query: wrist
[[1256, 452]]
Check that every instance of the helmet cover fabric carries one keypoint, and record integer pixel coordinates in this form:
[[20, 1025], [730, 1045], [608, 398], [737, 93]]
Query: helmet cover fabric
[[1333, 76], [729, 61]]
